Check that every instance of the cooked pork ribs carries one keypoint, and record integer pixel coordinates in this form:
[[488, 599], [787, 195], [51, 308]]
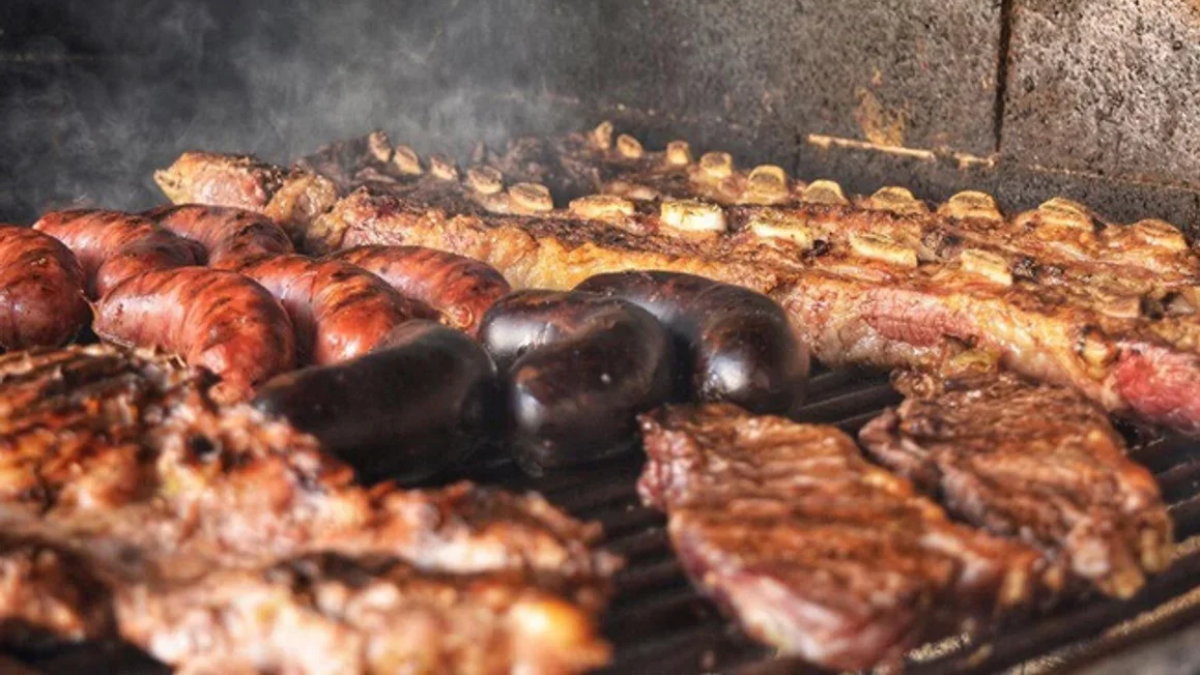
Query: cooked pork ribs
[[1036, 462], [1059, 295], [816, 551], [140, 507]]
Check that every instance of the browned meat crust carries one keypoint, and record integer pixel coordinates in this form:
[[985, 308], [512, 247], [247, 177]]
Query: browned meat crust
[[814, 550], [287, 197], [343, 615], [1039, 463], [113, 246], [231, 238], [460, 288], [48, 593], [338, 310], [196, 517], [42, 290], [219, 320], [1060, 295]]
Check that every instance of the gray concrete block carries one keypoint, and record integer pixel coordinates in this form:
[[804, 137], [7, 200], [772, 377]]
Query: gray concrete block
[[1106, 86], [919, 74]]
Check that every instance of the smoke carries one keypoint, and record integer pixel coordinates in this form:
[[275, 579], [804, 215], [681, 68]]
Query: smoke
[[95, 96]]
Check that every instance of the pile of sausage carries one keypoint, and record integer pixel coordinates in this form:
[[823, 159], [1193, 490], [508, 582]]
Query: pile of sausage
[[415, 356]]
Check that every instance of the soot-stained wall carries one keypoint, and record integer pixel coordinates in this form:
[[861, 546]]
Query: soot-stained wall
[[1094, 99]]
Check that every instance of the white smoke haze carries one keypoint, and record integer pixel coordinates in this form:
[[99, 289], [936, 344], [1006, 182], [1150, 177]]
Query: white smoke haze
[[88, 126]]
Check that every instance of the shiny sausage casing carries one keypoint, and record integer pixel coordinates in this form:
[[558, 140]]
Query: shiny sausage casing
[[232, 238], [423, 399], [42, 301], [113, 246], [735, 345], [216, 319], [461, 288], [577, 368], [338, 310]]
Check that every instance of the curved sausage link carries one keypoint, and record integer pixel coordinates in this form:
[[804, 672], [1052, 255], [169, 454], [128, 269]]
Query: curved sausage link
[[365, 411], [737, 345], [113, 246], [578, 368], [232, 238], [42, 301], [461, 288], [338, 310], [216, 319]]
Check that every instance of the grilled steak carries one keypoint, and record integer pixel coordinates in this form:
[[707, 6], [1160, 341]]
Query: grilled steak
[[1036, 462], [881, 280], [814, 550], [331, 614], [120, 473]]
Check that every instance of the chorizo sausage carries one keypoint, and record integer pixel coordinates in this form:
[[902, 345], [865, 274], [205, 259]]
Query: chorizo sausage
[[113, 246], [461, 288], [577, 369], [215, 319], [338, 310], [42, 301], [423, 399], [232, 238], [736, 345]]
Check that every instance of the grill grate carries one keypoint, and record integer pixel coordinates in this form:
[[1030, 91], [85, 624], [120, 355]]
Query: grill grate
[[659, 624]]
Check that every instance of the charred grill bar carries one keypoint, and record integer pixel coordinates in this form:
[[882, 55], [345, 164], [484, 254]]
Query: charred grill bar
[[1024, 100]]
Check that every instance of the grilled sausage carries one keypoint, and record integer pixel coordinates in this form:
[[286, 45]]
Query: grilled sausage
[[338, 310], [216, 319], [460, 288], [423, 399], [113, 246], [577, 369], [42, 298], [232, 238], [735, 345]]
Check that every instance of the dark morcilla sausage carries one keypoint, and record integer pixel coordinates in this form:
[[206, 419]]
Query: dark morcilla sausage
[[735, 345], [461, 288], [232, 238], [422, 400], [113, 246], [339, 311], [215, 319], [577, 368], [42, 301]]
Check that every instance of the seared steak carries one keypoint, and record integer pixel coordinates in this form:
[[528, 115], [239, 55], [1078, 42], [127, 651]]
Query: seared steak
[[813, 549], [331, 614], [1058, 294], [1035, 462], [119, 473]]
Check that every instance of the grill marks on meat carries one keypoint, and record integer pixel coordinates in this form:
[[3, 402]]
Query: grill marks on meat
[[42, 299], [218, 320], [1039, 463], [232, 238], [338, 310], [848, 308], [460, 288], [113, 246], [240, 535], [814, 550], [879, 280]]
